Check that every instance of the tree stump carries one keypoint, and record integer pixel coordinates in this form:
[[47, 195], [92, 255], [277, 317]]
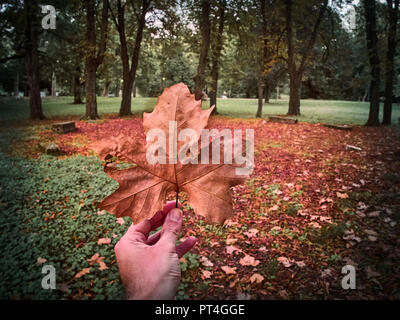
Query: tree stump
[[338, 126], [281, 119], [64, 127]]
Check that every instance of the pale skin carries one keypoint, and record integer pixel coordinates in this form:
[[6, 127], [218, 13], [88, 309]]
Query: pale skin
[[149, 265]]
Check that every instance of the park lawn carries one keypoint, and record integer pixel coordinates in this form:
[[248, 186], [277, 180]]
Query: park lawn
[[309, 208], [313, 111]]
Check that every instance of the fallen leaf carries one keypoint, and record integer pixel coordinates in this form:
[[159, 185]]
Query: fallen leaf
[[102, 265], [342, 195], [205, 262], [41, 260], [231, 241], [285, 261], [251, 233], [232, 249], [229, 270], [249, 261], [257, 278], [121, 221], [99, 260], [274, 208], [206, 274], [94, 259], [82, 272], [315, 225], [104, 241], [233, 283]]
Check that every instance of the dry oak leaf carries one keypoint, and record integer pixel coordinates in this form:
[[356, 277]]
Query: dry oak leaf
[[143, 188]]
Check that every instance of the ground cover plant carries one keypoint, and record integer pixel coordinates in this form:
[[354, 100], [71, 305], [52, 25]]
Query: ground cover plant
[[310, 207]]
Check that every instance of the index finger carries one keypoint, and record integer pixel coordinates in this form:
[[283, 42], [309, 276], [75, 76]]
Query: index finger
[[142, 230]]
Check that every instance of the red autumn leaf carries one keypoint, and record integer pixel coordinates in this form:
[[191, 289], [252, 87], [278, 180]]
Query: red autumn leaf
[[143, 188]]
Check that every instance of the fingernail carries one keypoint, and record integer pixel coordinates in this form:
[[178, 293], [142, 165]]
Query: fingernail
[[175, 215]]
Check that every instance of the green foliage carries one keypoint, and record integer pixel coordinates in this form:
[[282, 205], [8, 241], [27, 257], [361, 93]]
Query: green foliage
[[49, 211]]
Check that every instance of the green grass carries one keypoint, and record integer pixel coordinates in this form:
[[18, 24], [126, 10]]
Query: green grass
[[327, 111]]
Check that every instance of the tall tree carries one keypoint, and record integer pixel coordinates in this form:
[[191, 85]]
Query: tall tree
[[31, 8], [199, 78], [216, 48], [77, 87], [94, 54], [374, 62], [129, 69], [306, 44], [264, 60], [393, 8]]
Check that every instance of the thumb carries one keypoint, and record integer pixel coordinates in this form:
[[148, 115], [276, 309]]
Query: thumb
[[172, 227]]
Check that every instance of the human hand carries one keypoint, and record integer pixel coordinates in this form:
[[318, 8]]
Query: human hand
[[149, 266]]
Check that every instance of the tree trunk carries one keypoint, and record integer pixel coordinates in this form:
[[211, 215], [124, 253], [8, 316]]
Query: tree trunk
[[127, 86], [294, 95], [106, 88], [90, 62], [93, 59], [53, 84], [267, 92], [217, 48], [90, 89], [77, 86], [117, 88], [32, 58], [16, 84], [129, 73], [296, 72], [372, 44], [205, 33], [260, 95], [391, 50]]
